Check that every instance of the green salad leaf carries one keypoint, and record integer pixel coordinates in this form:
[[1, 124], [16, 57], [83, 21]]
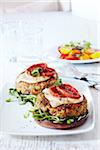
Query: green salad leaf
[[38, 114], [23, 98]]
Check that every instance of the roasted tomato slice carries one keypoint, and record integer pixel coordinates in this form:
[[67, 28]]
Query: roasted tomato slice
[[55, 92], [48, 72], [41, 65], [68, 91]]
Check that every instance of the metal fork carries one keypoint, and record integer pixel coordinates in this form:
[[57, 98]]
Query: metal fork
[[85, 77]]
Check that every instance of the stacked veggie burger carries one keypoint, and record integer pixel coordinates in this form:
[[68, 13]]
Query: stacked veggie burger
[[61, 107], [34, 79]]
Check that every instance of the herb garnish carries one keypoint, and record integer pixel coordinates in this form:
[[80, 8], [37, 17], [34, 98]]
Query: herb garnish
[[36, 72], [58, 82], [77, 45], [86, 45]]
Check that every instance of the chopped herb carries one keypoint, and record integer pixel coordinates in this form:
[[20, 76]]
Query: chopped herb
[[26, 114], [36, 72], [69, 121], [86, 45], [36, 87], [58, 82], [67, 45], [78, 45], [8, 100], [13, 92], [72, 43]]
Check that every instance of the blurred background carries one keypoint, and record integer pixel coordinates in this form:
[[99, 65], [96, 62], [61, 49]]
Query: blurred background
[[32, 27]]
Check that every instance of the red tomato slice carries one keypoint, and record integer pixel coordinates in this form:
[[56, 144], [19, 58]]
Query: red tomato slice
[[54, 92], [68, 91], [42, 65], [63, 56], [71, 58], [48, 72]]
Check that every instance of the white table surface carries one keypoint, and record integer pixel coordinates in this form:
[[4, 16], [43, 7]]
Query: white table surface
[[87, 141]]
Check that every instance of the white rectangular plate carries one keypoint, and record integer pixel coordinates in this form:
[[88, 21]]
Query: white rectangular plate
[[14, 123]]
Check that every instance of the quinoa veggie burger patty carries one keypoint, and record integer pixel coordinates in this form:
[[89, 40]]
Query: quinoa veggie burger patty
[[34, 79], [60, 107]]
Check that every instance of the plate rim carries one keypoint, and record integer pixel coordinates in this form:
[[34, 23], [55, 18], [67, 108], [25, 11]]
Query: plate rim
[[83, 61]]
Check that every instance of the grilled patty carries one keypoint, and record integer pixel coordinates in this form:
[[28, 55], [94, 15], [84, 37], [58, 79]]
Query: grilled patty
[[65, 110], [35, 88]]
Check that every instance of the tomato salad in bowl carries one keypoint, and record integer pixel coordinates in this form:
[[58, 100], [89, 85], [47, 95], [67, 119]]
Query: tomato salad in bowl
[[78, 51]]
